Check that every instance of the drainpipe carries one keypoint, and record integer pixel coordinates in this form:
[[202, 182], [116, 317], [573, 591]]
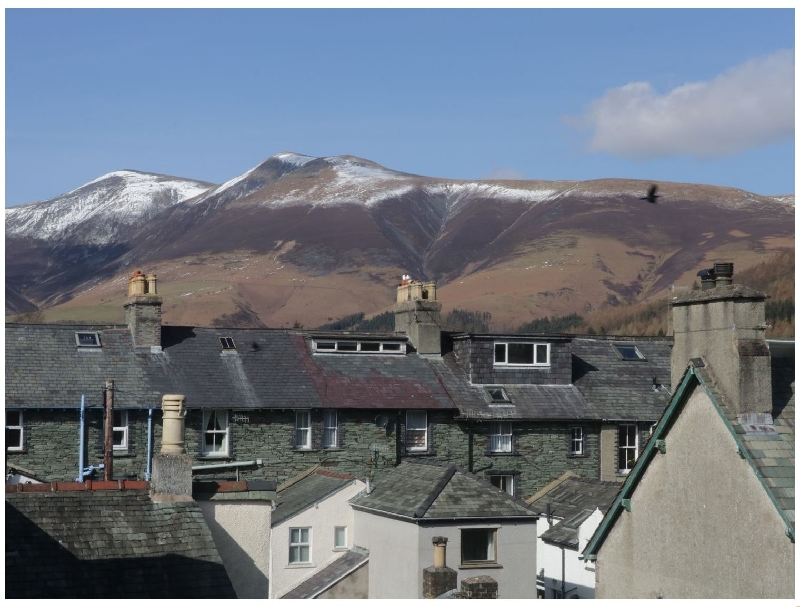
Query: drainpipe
[[81, 439], [147, 472], [397, 446], [469, 447]]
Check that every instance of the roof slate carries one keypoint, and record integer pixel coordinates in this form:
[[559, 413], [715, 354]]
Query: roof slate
[[573, 495], [109, 544], [431, 490], [307, 492], [324, 579]]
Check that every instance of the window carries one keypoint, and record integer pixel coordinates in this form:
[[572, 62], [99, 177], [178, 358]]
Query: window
[[299, 545], [13, 430], [504, 482], [497, 395], [628, 352], [330, 434], [576, 441], [227, 343], [627, 447], [366, 347], [531, 354], [303, 430], [87, 339], [416, 430], [478, 546], [215, 433], [500, 437], [340, 538], [120, 430]]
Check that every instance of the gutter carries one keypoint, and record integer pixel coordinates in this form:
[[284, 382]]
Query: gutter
[[255, 462]]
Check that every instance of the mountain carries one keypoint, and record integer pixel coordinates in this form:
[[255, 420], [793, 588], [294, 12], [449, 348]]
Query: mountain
[[305, 239]]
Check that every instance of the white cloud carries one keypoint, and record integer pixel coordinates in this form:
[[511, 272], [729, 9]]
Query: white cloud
[[748, 106]]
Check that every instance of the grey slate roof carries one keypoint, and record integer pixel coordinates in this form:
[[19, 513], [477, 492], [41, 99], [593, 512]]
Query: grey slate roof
[[109, 544], [324, 579], [566, 533], [307, 492], [620, 389], [572, 495], [424, 490]]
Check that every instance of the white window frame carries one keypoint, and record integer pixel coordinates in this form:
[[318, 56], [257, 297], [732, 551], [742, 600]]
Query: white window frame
[[296, 547], [491, 548], [323, 346], [500, 437], [417, 427], [18, 426], [337, 545], [637, 354], [94, 341], [576, 440], [302, 430], [535, 362], [330, 429], [221, 417], [621, 468], [505, 482], [123, 427]]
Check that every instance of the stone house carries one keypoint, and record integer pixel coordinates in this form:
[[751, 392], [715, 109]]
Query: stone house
[[711, 499], [266, 404]]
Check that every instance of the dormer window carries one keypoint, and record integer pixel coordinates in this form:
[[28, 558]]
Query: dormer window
[[521, 354], [87, 339], [227, 343], [321, 346], [497, 395], [628, 352]]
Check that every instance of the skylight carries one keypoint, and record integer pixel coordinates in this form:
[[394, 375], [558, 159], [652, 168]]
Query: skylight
[[227, 343], [628, 352], [498, 395], [87, 339]]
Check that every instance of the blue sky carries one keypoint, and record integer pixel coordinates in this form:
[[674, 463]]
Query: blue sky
[[701, 96]]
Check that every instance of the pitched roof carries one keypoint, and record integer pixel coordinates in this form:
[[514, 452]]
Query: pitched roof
[[768, 449], [424, 490], [108, 544], [318, 583], [571, 494], [306, 492], [620, 389], [566, 533]]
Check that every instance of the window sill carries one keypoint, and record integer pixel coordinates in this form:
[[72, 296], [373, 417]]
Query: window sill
[[419, 453], [341, 549], [309, 449], [123, 454], [300, 566], [480, 566], [328, 449], [578, 455], [501, 453], [211, 457], [521, 366]]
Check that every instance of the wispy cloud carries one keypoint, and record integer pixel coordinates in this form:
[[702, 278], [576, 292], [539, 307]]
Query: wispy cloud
[[747, 106], [503, 173]]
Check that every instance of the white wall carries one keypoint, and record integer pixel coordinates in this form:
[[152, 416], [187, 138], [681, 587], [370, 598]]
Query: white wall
[[334, 511], [240, 530]]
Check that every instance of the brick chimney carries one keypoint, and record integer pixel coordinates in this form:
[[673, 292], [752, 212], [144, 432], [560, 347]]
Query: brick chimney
[[724, 325], [143, 310], [172, 467], [440, 578], [417, 314], [480, 587]]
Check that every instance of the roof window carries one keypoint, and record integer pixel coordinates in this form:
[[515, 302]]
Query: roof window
[[628, 352], [498, 395], [87, 339], [227, 343], [357, 347]]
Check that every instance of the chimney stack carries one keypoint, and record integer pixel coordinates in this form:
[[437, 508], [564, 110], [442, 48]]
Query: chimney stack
[[725, 326], [417, 314], [143, 310], [172, 467], [440, 578]]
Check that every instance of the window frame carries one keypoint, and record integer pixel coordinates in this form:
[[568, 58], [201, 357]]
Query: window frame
[[96, 338], [124, 418], [638, 354], [298, 428], [491, 560], [20, 426], [423, 429], [627, 447], [504, 479], [337, 546], [321, 346], [535, 362], [580, 441], [224, 432], [299, 545], [327, 428], [502, 398], [497, 436]]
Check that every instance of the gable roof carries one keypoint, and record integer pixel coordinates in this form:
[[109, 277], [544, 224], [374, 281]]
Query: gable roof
[[566, 533], [768, 451], [318, 583], [92, 543], [571, 495], [432, 491], [306, 492]]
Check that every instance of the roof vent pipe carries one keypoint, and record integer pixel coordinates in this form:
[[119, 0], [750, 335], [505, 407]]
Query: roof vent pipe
[[724, 273], [707, 279]]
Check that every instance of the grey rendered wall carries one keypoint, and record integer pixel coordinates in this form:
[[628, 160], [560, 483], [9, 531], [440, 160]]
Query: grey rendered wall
[[354, 586], [700, 525]]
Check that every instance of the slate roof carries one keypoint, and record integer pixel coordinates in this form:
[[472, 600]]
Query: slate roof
[[566, 532], [308, 491], [108, 544], [571, 494], [620, 389], [327, 577], [422, 490]]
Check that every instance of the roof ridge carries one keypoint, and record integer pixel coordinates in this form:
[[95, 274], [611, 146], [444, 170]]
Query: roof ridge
[[550, 486], [449, 472], [87, 485], [297, 478], [322, 470]]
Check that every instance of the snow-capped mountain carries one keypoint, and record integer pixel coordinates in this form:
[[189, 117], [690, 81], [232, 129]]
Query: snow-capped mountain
[[106, 205]]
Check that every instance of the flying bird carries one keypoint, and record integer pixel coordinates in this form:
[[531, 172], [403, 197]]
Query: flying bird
[[651, 194]]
